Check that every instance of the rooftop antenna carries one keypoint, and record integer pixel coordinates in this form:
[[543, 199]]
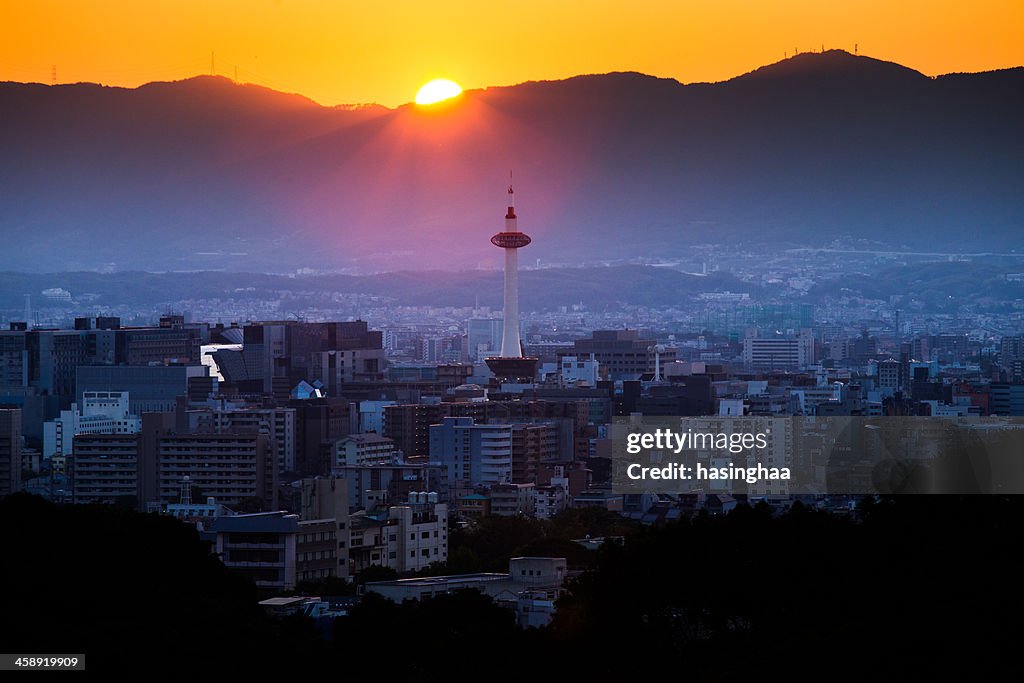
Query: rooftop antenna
[[855, 48]]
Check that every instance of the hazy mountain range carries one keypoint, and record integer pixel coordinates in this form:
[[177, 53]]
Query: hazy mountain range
[[936, 286], [205, 173]]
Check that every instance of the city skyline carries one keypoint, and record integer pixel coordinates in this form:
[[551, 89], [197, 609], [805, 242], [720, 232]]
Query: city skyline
[[280, 393]]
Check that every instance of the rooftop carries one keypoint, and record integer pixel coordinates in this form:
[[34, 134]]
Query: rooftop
[[427, 581]]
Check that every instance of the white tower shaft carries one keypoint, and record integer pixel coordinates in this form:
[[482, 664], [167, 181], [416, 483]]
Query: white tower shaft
[[510, 343]]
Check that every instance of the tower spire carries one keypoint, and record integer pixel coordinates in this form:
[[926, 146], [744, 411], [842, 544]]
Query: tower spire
[[511, 199]]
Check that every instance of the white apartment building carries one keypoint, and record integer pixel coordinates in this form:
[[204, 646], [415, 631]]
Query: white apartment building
[[364, 449], [101, 412]]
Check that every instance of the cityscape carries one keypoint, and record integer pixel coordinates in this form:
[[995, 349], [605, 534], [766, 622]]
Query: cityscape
[[396, 449]]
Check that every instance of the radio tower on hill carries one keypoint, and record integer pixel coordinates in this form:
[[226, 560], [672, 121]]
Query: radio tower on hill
[[512, 365]]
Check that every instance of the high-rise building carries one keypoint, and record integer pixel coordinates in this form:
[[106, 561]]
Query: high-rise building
[[1011, 350], [477, 453], [54, 356], [229, 467], [889, 377], [511, 365], [13, 358], [290, 351], [483, 337], [777, 352], [104, 468], [150, 388], [319, 423], [322, 547], [10, 451], [278, 423]]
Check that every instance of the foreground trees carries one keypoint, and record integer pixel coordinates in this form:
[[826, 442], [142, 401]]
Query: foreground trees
[[913, 585]]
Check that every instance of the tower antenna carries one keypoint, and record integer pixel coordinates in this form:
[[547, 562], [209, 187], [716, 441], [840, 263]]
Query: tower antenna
[[53, 74], [212, 69]]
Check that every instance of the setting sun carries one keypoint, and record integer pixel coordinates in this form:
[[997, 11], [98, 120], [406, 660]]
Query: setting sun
[[437, 90]]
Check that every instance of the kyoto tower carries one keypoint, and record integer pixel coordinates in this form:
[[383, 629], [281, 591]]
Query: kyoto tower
[[511, 365]]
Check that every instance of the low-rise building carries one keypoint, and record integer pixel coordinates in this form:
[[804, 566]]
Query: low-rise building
[[474, 506], [261, 546], [513, 500], [549, 501], [530, 587]]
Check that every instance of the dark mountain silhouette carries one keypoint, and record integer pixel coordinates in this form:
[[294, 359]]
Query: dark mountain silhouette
[[205, 173]]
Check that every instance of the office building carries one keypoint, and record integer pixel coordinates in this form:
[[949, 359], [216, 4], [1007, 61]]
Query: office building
[[322, 545], [778, 352], [101, 412], [364, 449], [152, 388], [483, 337], [10, 451], [622, 354], [1006, 399]]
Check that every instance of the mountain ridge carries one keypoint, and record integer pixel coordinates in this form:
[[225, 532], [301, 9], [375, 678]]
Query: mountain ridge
[[206, 173]]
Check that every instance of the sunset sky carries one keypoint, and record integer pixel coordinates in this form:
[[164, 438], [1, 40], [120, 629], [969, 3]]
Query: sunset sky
[[348, 52]]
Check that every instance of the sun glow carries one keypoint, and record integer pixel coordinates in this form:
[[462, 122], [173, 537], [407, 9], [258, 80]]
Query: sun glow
[[438, 90]]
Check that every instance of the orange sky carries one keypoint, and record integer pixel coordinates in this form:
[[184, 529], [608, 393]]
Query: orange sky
[[367, 51]]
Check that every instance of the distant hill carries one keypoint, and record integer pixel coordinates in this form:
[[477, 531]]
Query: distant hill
[[205, 173], [933, 286]]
